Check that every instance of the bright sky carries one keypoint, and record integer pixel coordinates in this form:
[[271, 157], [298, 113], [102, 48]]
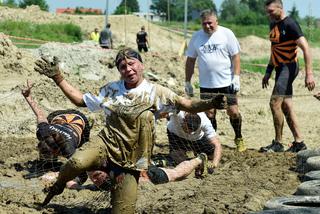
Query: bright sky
[[305, 7]]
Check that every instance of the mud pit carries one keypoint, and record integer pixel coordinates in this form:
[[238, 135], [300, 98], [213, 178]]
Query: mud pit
[[243, 182]]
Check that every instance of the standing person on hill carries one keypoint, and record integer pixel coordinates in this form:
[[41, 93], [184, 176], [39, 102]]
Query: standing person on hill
[[218, 53], [142, 40], [131, 106], [105, 39], [94, 35], [285, 36]]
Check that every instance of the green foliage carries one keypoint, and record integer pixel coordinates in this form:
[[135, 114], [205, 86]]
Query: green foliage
[[9, 3], [161, 6], [294, 13], [254, 65], [41, 3], [59, 32], [131, 6], [259, 65], [229, 9], [78, 10], [243, 12], [176, 8], [199, 5], [255, 5]]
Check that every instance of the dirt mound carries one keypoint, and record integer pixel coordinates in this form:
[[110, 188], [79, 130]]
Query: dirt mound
[[124, 28], [254, 47], [85, 65], [13, 60]]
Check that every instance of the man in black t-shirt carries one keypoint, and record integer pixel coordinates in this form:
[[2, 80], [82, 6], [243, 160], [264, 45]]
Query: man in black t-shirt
[[142, 40], [285, 36]]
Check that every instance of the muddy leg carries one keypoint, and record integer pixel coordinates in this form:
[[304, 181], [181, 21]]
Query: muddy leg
[[124, 196], [86, 158]]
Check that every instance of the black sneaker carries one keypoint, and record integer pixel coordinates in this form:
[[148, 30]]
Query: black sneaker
[[275, 146], [296, 147], [160, 163]]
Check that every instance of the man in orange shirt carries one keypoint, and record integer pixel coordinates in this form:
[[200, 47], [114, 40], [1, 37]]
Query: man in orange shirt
[[285, 36]]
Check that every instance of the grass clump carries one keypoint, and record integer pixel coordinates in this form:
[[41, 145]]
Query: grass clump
[[58, 32]]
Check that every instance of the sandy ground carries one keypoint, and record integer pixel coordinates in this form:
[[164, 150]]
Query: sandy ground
[[242, 183]]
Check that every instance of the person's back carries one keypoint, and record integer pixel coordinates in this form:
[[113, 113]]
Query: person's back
[[72, 126], [142, 40], [105, 39], [141, 37]]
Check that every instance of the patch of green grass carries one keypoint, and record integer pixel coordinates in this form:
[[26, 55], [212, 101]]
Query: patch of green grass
[[58, 32], [259, 65], [254, 65], [312, 34]]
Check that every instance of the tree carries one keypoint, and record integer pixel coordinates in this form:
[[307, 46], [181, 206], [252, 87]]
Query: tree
[[9, 3], [294, 13], [131, 6], [243, 12], [199, 5], [229, 10], [177, 8], [256, 6], [41, 3], [161, 7]]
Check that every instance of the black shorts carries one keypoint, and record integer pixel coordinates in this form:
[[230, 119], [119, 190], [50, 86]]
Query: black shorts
[[207, 93], [157, 175], [285, 75], [142, 47], [199, 146]]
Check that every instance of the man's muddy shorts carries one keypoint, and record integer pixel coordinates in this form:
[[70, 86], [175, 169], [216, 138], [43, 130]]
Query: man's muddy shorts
[[285, 75], [157, 175], [208, 93], [199, 146]]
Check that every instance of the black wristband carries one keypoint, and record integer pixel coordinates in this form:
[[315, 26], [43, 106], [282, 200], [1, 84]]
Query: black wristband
[[269, 69]]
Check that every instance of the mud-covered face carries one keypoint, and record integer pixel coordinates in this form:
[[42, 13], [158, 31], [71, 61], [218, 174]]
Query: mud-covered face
[[98, 177], [274, 11], [189, 127], [50, 144], [209, 24], [131, 70]]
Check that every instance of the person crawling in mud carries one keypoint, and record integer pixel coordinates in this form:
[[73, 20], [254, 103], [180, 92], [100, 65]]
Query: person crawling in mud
[[195, 133], [157, 175], [131, 106], [59, 134]]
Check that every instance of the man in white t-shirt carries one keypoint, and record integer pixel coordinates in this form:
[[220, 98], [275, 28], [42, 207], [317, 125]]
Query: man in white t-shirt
[[193, 132], [218, 54], [131, 106]]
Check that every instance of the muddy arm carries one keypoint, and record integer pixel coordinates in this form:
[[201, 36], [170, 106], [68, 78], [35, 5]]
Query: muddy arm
[[26, 92]]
